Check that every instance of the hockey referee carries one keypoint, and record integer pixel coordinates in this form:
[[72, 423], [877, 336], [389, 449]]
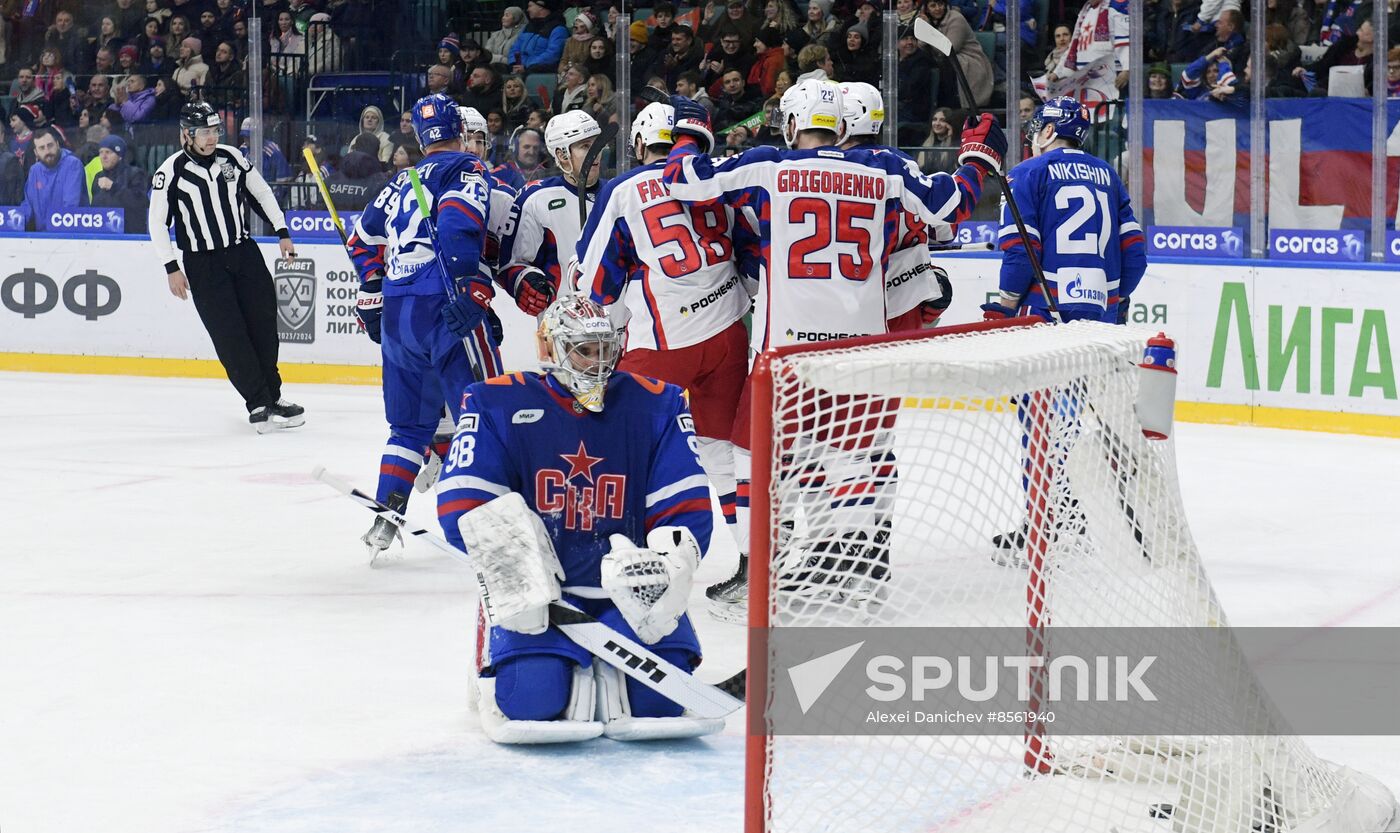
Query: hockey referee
[[203, 191]]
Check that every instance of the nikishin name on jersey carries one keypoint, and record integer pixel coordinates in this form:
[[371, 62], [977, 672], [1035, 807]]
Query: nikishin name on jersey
[[713, 296], [836, 183], [1079, 171], [581, 506]]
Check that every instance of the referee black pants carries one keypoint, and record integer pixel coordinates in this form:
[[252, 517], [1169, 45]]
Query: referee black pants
[[234, 296]]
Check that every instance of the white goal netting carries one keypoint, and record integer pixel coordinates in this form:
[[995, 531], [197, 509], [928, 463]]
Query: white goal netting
[[999, 479]]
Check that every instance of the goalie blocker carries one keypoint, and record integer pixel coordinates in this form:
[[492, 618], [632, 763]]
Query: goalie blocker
[[550, 483]]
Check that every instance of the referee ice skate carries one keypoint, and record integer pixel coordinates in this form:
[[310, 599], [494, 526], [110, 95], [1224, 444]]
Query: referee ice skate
[[203, 192]]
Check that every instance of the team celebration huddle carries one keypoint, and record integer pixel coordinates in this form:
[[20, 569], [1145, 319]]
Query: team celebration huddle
[[583, 494]]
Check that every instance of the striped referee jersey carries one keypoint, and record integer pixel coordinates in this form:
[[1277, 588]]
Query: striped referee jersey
[[205, 199]]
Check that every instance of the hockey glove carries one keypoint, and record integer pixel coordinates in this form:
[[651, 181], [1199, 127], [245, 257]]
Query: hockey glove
[[467, 310], [1125, 307], [533, 291], [1003, 307], [693, 120], [369, 306], [931, 311], [493, 323], [983, 143]]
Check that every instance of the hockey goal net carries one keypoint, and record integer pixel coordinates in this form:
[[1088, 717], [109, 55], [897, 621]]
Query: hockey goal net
[[884, 471]]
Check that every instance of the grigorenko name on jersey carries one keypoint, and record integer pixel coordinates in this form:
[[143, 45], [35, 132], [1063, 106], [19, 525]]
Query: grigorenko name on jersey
[[843, 184]]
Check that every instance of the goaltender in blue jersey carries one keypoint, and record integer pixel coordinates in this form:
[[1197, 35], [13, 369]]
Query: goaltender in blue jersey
[[1080, 224], [602, 466]]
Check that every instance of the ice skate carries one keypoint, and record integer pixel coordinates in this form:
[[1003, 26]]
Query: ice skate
[[384, 531], [729, 599]]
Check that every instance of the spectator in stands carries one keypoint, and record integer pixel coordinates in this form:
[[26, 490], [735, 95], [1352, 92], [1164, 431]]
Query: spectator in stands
[[944, 141], [1061, 36], [500, 42], [976, 66], [105, 62], [814, 61], [439, 78], [770, 131], [141, 45], [735, 102], [483, 89], [763, 75], [55, 182], [1392, 73], [659, 39], [209, 34], [1348, 50], [737, 140], [157, 62], [576, 47], [121, 185], [1025, 107], [500, 136], [105, 38], [781, 17], [135, 100], [192, 72], [641, 53], [360, 176], [450, 55], [601, 101], [226, 14], [516, 102], [1281, 47], [541, 44], [286, 40], [474, 56], [601, 58], [227, 76], [154, 8], [11, 173], [572, 90], [856, 58], [683, 56], [169, 99], [129, 17], [1159, 81], [994, 17], [689, 86], [537, 119], [912, 91], [1095, 67], [1292, 16], [405, 156], [1340, 18], [1210, 76], [905, 12], [176, 33], [1229, 35], [731, 53], [372, 124], [51, 76], [23, 89], [404, 135], [64, 37], [128, 61], [821, 26], [323, 49], [240, 42], [113, 124], [93, 100], [22, 132], [729, 18]]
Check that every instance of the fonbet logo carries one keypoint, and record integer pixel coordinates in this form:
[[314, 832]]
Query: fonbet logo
[[977, 679]]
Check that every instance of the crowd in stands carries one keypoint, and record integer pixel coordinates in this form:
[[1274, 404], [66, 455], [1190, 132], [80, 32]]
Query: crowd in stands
[[84, 74]]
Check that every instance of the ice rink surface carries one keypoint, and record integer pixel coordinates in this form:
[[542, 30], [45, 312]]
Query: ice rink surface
[[191, 639]]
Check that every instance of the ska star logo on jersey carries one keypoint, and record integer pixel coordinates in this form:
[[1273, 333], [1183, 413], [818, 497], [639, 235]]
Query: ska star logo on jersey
[[580, 463]]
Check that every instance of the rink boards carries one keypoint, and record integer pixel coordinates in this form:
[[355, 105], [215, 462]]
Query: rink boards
[[1285, 345]]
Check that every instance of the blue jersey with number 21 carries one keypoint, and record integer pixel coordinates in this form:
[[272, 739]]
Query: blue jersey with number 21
[[1081, 225]]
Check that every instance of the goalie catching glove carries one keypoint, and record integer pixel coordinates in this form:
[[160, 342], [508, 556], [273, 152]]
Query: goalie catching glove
[[651, 585], [516, 567]]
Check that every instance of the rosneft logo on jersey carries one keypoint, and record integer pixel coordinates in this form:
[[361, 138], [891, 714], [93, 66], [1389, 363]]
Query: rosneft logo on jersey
[[807, 336]]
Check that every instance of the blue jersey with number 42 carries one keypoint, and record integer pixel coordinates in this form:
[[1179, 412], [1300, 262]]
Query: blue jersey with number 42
[[1081, 225]]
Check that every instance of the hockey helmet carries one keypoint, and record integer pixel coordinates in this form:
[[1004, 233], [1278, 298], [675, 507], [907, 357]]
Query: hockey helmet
[[863, 109], [567, 129], [1069, 117], [812, 105], [583, 346], [472, 123], [653, 126], [199, 115], [435, 119]]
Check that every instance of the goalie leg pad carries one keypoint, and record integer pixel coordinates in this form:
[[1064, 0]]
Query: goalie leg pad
[[615, 706], [575, 724]]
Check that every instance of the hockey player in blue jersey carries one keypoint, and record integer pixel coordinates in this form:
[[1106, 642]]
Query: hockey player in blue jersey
[[1092, 249], [589, 475], [430, 339], [1093, 254]]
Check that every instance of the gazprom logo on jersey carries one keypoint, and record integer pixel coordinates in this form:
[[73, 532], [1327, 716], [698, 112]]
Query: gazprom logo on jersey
[[92, 220], [982, 232], [1315, 244], [1075, 290], [314, 224], [1392, 247], [1195, 241]]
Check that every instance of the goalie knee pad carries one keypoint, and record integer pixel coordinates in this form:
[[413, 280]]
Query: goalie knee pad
[[533, 687], [617, 701], [574, 721]]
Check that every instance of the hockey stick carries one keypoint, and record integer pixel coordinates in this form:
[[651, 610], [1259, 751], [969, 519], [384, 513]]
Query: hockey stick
[[624, 654], [929, 34], [421, 197], [326, 195], [605, 138], [964, 247]]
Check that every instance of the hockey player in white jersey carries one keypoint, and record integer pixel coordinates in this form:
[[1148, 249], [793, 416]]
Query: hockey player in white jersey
[[543, 229], [832, 209], [675, 269]]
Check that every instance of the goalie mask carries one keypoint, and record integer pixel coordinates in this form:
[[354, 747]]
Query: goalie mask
[[580, 346]]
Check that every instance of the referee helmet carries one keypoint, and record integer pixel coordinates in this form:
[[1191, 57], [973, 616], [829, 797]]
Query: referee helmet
[[197, 115]]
